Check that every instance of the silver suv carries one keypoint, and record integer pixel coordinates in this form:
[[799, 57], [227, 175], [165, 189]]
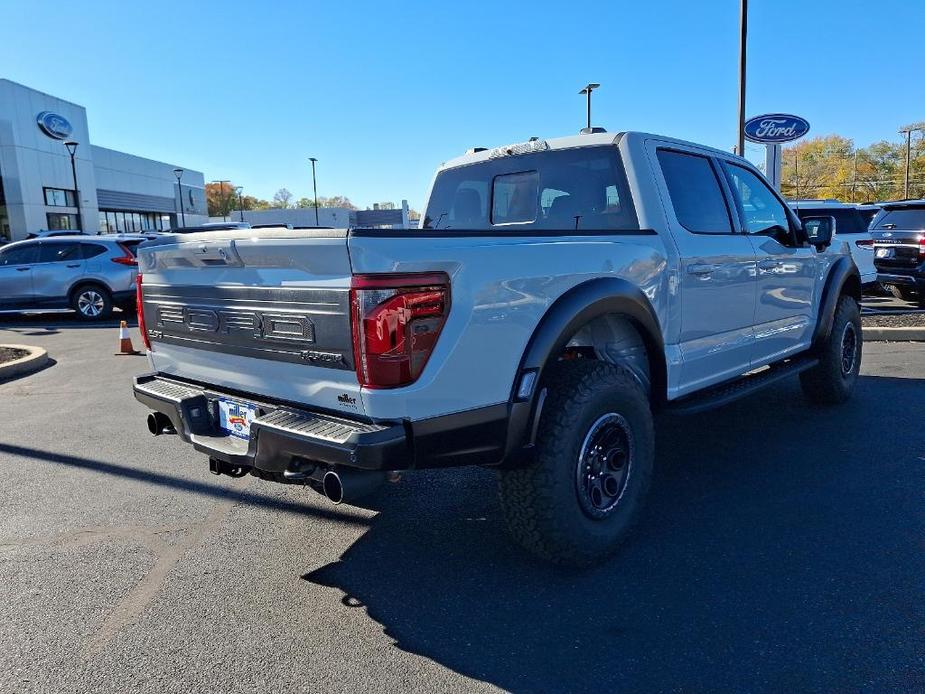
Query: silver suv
[[89, 274]]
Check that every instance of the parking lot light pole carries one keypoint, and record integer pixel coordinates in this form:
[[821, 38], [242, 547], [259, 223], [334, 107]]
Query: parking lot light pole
[[743, 43], [587, 89], [315, 186], [907, 131], [179, 174], [238, 190], [221, 188], [72, 150]]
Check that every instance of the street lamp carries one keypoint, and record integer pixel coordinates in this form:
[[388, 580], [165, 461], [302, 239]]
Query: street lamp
[[315, 186], [907, 131], [179, 174], [221, 187], [743, 37], [587, 89], [238, 190], [72, 150]]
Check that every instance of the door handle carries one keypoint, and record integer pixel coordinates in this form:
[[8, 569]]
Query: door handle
[[23, 269], [73, 265], [769, 264], [702, 269]]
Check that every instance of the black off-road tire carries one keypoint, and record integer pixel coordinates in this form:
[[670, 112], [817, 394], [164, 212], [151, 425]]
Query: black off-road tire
[[544, 508], [831, 382]]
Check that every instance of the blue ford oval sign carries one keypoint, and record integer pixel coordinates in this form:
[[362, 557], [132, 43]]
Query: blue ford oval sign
[[54, 125], [774, 128]]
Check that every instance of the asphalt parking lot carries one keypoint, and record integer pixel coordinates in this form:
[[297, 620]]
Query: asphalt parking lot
[[783, 550]]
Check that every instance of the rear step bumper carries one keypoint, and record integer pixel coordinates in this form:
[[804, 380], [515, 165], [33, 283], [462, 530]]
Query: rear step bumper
[[281, 437]]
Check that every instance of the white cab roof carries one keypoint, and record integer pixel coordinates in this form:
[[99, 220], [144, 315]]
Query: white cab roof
[[573, 141]]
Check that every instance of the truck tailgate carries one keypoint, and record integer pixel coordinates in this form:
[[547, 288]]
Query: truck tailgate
[[263, 312]]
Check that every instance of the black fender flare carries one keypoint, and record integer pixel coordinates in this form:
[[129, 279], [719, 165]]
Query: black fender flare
[[843, 278], [576, 307]]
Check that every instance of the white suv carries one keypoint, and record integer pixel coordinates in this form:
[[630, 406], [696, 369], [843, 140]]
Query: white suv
[[851, 226]]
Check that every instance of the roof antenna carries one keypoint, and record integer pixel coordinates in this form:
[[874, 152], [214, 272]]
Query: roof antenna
[[587, 89]]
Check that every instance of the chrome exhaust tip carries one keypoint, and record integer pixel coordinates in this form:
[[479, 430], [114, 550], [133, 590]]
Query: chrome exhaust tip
[[347, 485]]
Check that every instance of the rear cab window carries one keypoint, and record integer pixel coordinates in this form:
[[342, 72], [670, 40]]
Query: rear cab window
[[580, 189]]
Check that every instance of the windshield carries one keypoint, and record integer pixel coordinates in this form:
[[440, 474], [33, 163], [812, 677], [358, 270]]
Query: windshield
[[574, 189], [900, 218]]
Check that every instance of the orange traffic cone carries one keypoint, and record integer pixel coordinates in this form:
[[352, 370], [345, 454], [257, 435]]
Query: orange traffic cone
[[125, 342]]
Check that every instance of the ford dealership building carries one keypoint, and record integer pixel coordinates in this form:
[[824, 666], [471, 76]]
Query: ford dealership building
[[114, 191]]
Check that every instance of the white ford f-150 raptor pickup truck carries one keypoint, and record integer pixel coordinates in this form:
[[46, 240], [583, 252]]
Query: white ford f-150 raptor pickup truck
[[556, 293]]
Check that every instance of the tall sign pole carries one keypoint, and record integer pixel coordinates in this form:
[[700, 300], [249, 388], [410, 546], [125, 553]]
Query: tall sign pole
[[772, 164], [743, 35]]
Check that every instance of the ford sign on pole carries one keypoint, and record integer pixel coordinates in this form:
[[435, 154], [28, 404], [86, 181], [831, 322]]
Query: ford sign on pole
[[775, 128]]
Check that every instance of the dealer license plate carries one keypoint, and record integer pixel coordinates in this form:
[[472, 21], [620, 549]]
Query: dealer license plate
[[235, 417], [885, 252]]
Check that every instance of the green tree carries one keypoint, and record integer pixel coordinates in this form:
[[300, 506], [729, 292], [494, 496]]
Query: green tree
[[832, 167]]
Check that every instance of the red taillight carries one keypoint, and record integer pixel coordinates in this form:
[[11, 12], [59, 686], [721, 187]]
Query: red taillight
[[867, 244], [922, 246], [396, 322], [140, 312], [127, 258]]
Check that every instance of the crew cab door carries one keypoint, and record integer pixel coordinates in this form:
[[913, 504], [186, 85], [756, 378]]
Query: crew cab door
[[717, 269], [786, 267]]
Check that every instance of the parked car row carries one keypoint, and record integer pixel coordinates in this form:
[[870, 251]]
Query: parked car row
[[898, 231], [851, 225], [89, 274], [887, 241]]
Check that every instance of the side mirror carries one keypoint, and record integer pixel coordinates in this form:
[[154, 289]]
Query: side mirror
[[819, 230]]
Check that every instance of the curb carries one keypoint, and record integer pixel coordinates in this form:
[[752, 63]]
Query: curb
[[894, 334], [35, 360]]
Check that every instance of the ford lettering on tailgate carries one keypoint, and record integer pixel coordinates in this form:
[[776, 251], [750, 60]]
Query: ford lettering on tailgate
[[303, 325]]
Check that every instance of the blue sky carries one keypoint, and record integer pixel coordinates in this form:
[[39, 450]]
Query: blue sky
[[381, 92]]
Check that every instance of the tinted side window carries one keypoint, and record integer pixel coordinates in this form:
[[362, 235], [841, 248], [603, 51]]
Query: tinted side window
[[695, 192], [760, 207], [21, 255], [91, 250], [58, 252]]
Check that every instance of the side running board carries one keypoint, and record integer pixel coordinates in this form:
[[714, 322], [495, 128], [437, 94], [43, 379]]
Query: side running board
[[725, 393]]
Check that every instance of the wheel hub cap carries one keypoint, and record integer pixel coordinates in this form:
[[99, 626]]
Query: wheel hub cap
[[604, 465], [90, 303], [849, 348]]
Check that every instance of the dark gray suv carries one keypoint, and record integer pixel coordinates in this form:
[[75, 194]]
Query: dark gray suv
[[89, 274]]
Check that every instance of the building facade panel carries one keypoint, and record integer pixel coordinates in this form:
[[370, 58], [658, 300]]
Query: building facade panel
[[34, 160]]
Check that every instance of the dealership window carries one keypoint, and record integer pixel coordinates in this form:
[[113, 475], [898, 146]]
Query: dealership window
[[59, 197], [112, 221], [58, 221]]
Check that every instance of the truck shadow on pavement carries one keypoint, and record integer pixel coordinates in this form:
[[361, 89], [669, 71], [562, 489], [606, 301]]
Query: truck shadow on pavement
[[781, 550], [180, 483]]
